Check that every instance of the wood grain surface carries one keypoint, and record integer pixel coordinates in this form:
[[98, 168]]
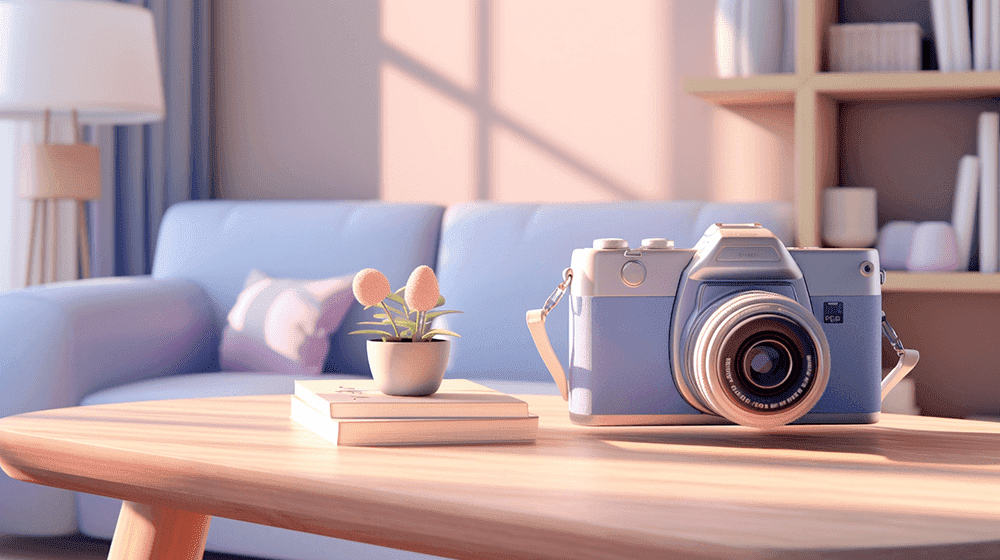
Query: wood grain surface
[[907, 487]]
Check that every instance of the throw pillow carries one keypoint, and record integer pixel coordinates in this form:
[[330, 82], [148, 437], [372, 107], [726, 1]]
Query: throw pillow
[[283, 324]]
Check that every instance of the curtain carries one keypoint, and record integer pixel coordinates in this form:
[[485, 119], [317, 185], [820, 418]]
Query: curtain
[[146, 168]]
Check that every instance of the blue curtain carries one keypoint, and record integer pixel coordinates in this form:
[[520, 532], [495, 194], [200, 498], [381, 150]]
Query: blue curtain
[[146, 168]]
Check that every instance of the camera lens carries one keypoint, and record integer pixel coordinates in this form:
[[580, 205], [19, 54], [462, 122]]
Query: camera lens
[[756, 358], [766, 365]]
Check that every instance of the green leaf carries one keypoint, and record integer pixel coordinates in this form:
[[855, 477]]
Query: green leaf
[[396, 298], [440, 302], [372, 331], [442, 332], [385, 322], [434, 314]]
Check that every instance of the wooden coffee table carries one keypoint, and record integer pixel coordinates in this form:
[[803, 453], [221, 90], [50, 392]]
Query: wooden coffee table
[[911, 487]]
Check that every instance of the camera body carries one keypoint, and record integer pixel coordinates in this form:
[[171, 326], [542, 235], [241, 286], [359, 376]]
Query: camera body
[[737, 329]]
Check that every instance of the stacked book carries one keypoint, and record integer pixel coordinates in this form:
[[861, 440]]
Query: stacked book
[[355, 413], [875, 47], [961, 47]]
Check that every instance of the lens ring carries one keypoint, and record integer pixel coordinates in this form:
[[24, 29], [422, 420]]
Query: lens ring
[[707, 380]]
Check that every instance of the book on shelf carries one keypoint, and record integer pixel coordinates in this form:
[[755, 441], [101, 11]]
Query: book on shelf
[[339, 398], [413, 431], [988, 145], [963, 210], [941, 21]]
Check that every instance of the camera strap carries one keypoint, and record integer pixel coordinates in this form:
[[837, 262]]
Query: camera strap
[[536, 325], [908, 358], [535, 318]]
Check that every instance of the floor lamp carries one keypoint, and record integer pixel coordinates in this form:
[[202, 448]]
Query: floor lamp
[[94, 62]]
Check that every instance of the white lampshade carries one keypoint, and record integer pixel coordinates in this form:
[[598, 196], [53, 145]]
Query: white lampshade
[[97, 57]]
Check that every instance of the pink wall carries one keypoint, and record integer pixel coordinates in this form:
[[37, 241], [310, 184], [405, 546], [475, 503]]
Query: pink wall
[[455, 100]]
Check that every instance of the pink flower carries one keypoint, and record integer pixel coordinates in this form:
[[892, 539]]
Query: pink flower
[[422, 289], [370, 287]]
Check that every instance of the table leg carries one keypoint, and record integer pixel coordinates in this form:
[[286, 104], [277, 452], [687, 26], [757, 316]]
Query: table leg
[[147, 532]]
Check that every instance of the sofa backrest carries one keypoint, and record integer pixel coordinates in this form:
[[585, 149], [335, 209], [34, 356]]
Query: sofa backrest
[[497, 261], [216, 243]]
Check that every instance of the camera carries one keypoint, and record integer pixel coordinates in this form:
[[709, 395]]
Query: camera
[[737, 329]]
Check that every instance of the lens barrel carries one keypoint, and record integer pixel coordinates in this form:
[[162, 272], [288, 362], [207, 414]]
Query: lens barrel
[[757, 358]]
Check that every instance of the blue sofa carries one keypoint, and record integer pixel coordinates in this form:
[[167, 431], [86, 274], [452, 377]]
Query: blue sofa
[[157, 337]]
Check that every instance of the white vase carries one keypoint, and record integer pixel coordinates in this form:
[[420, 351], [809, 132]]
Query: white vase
[[727, 38], [762, 23], [408, 369]]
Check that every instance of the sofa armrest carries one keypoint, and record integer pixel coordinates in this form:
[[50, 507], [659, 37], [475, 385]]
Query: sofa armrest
[[63, 341]]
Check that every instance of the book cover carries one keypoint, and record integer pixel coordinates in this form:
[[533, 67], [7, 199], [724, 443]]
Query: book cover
[[339, 398], [963, 210], [942, 35], [413, 431], [989, 196]]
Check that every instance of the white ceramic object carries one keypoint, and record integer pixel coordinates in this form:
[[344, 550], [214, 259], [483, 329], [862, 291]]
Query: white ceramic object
[[850, 217], [727, 33], [408, 369], [894, 241], [934, 248], [762, 24]]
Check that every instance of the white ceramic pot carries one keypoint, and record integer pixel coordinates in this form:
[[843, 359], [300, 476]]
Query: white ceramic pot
[[408, 369]]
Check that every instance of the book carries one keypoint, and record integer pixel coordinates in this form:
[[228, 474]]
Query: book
[[989, 191], [413, 431], [963, 210], [981, 35], [942, 35], [338, 398], [995, 35], [789, 38], [961, 41]]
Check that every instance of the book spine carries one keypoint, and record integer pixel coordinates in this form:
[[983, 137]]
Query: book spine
[[960, 35], [942, 35], [727, 38], [994, 34], [989, 195], [761, 24], [981, 34], [963, 212]]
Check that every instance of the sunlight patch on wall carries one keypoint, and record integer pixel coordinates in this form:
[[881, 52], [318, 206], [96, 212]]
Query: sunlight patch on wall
[[438, 33], [524, 173], [428, 142], [753, 155], [587, 79]]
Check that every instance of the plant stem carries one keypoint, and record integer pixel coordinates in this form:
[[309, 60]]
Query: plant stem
[[391, 321]]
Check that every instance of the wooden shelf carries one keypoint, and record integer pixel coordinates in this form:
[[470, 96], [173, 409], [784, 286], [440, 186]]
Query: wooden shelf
[[846, 86], [756, 90], [941, 282]]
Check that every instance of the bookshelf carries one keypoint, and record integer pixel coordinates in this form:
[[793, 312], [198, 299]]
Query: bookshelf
[[815, 96]]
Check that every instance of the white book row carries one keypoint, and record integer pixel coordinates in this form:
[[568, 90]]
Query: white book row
[[961, 47], [947, 246], [875, 47], [755, 37]]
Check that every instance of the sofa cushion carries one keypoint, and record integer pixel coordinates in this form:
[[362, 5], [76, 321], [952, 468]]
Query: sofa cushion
[[283, 324], [216, 243], [497, 261]]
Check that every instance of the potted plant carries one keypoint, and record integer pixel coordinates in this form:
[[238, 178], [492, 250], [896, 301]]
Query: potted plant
[[406, 359]]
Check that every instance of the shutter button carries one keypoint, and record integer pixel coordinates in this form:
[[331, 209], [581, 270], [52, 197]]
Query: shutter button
[[633, 273]]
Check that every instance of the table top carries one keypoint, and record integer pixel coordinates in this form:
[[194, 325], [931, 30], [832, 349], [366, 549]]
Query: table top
[[929, 485]]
